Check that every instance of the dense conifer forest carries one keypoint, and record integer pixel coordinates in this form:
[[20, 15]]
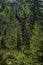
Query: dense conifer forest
[[21, 32]]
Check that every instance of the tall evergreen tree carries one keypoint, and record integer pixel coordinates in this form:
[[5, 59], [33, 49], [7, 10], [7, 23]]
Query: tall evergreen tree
[[36, 45]]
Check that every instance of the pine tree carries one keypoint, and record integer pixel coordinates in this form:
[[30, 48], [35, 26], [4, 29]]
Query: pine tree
[[36, 45]]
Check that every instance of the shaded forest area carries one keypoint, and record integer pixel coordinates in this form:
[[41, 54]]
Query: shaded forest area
[[21, 32]]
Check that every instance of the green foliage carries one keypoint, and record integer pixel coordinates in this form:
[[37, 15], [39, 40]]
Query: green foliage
[[36, 45], [12, 49]]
